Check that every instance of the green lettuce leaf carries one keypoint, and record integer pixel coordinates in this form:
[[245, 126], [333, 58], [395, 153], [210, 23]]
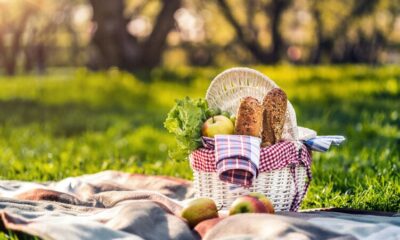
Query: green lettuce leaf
[[185, 121]]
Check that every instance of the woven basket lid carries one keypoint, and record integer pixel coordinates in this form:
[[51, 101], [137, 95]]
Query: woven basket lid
[[230, 86]]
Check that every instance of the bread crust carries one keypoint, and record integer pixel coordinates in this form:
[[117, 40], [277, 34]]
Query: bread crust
[[249, 117], [275, 105]]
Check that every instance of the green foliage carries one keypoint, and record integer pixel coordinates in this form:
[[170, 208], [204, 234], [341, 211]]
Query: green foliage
[[77, 122], [185, 121]]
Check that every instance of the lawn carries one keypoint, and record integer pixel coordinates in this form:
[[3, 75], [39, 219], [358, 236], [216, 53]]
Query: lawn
[[73, 122]]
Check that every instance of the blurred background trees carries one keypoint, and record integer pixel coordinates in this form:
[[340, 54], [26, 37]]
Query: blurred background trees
[[140, 34]]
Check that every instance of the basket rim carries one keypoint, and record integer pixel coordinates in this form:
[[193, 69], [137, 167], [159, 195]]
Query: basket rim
[[238, 69]]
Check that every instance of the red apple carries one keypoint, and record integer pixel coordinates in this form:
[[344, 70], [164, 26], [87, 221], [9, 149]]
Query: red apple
[[267, 203], [217, 125], [247, 204], [198, 210]]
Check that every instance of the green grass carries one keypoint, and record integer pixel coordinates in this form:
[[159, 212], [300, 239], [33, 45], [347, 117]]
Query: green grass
[[75, 122]]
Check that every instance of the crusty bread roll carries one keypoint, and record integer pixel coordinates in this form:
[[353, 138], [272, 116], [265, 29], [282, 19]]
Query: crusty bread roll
[[275, 104], [249, 117]]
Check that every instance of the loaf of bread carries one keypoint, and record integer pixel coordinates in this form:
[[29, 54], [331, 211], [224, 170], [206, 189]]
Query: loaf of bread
[[275, 104], [249, 117]]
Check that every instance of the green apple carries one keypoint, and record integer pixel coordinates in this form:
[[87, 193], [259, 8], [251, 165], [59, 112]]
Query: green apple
[[217, 125], [267, 203], [198, 210], [247, 204]]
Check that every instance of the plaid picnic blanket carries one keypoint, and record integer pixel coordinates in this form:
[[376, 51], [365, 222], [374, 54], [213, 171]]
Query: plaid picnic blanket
[[117, 205]]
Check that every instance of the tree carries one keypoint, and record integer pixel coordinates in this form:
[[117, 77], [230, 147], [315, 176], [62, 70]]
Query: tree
[[115, 46], [336, 46], [14, 27], [248, 33], [28, 31]]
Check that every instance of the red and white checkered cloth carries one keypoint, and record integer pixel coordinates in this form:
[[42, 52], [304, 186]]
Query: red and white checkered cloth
[[274, 157]]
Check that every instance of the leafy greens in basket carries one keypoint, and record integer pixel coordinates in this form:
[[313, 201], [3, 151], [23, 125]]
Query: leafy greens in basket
[[185, 121]]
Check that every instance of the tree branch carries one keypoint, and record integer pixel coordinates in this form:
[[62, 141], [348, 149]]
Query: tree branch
[[138, 9], [155, 43], [250, 42]]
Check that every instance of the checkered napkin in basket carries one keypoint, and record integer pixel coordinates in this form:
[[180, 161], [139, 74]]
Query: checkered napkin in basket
[[237, 158]]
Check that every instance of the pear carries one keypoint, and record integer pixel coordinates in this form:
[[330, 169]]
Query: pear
[[198, 210]]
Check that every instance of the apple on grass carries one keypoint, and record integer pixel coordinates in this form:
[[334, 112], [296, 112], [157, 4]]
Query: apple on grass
[[217, 125], [247, 204], [198, 210], [267, 203]]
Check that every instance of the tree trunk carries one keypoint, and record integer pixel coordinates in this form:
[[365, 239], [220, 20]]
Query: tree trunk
[[324, 45], [116, 47], [9, 56], [275, 10], [29, 59], [155, 44], [336, 47], [114, 44]]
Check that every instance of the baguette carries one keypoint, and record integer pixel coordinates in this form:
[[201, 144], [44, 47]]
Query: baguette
[[275, 104], [249, 117]]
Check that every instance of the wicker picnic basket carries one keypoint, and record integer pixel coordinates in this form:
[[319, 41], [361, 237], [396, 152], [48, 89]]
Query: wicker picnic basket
[[225, 92]]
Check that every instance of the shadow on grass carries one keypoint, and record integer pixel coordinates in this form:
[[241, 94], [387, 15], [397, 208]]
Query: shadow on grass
[[70, 119], [337, 114]]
